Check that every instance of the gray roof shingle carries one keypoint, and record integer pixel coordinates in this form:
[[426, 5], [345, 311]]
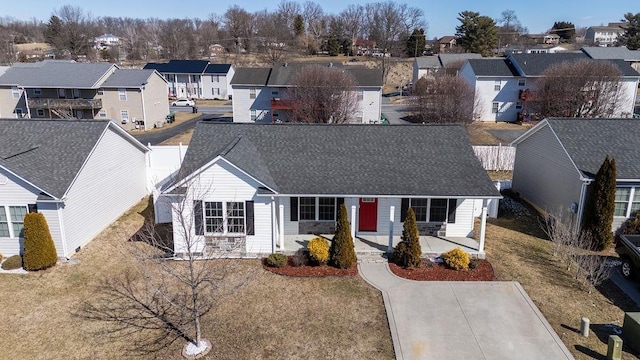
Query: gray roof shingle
[[493, 67], [448, 60], [536, 64], [428, 62], [48, 153], [128, 78], [281, 75], [588, 141], [399, 160], [56, 74], [621, 52]]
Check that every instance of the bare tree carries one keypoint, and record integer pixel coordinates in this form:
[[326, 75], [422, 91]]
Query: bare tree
[[165, 296], [584, 88], [323, 94], [443, 99], [239, 25], [571, 245]]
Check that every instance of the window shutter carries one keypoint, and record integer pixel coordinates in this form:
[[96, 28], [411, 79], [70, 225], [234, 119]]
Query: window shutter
[[198, 217], [33, 208], [339, 201], [249, 218], [453, 204], [403, 209], [294, 209]]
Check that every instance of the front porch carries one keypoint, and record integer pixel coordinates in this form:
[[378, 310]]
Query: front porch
[[432, 246]]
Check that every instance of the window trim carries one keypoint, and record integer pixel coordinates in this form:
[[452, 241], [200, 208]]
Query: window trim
[[15, 92], [253, 93], [126, 117], [19, 113], [226, 217], [102, 113], [298, 204], [254, 115], [497, 85], [10, 223], [40, 112], [122, 94], [522, 82], [629, 202], [447, 220], [495, 107]]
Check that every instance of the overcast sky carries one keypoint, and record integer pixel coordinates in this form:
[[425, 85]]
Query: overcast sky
[[538, 16]]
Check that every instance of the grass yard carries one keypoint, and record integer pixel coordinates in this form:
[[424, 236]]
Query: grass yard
[[183, 138], [518, 251], [273, 317], [478, 134]]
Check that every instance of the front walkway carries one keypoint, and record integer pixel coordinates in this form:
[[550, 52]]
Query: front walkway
[[378, 244], [462, 320]]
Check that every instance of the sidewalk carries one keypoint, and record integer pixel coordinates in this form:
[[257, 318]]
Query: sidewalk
[[462, 320]]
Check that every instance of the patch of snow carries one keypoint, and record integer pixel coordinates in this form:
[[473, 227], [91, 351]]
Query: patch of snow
[[193, 350], [613, 262]]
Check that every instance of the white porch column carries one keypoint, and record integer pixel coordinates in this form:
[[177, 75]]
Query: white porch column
[[353, 221], [392, 212], [281, 227], [483, 226], [274, 228]]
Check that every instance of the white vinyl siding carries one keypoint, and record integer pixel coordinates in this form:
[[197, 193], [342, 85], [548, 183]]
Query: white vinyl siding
[[222, 182], [463, 227], [104, 189]]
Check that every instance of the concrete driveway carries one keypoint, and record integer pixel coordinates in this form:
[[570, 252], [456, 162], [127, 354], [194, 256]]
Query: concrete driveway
[[463, 320]]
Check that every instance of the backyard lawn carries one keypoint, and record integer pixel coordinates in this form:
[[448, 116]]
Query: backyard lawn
[[273, 317]]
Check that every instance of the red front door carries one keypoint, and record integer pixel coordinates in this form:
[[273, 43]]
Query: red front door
[[368, 220]]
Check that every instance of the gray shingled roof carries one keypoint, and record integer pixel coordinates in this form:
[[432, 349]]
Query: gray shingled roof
[[128, 78], [588, 141], [55, 74], [447, 60], [251, 76], [48, 153], [622, 53], [536, 64], [281, 75], [493, 67], [428, 62], [401, 160]]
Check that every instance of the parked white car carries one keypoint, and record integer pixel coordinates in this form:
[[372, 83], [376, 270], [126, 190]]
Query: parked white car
[[183, 102]]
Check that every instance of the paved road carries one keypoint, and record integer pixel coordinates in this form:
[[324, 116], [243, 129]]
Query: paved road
[[463, 319], [154, 138], [630, 287], [205, 109]]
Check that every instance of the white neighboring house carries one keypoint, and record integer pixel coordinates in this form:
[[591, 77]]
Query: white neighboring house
[[105, 41], [429, 65], [80, 174], [269, 186], [500, 83], [196, 79], [260, 94], [603, 35]]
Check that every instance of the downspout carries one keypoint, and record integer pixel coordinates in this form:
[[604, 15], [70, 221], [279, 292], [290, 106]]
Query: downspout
[[144, 110], [581, 203]]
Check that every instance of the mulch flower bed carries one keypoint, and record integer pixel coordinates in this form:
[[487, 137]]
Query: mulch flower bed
[[309, 271], [430, 271]]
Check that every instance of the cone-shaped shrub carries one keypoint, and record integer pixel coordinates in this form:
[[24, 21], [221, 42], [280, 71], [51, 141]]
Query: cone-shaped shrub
[[39, 250], [408, 252], [600, 206], [342, 254]]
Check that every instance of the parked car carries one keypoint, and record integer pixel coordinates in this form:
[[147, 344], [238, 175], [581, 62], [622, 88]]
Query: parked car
[[629, 250], [183, 102]]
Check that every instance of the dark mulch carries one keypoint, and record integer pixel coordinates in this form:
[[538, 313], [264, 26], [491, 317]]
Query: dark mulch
[[309, 271], [430, 271]]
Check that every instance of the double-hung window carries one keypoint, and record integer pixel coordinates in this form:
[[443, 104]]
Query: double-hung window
[[438, 210], [430, 210], [627, 201], [122, 94], [326, 208], [15, 92], [4, 223], [12, 222], [307, 208], [497, 85], [420, 207], [252, 93]]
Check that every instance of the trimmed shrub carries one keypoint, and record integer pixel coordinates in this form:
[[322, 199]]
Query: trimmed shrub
[[39, 250], [277, 260], [600, 205], [456, 259], [299, 258], [342, 253], [318, 250], [408, 252], [12, 263]]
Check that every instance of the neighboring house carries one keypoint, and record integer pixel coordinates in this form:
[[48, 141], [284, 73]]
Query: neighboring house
[[429, 65], [70, 90], [446, 44], [106, 41], [425, 66], [80, 174], [261, 183], [196, 79], [614, 53], [364, 47], [216, 50], [603, 35], [545, 49], [261, 93], [553, 39], [557, 159], [500, 83]]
